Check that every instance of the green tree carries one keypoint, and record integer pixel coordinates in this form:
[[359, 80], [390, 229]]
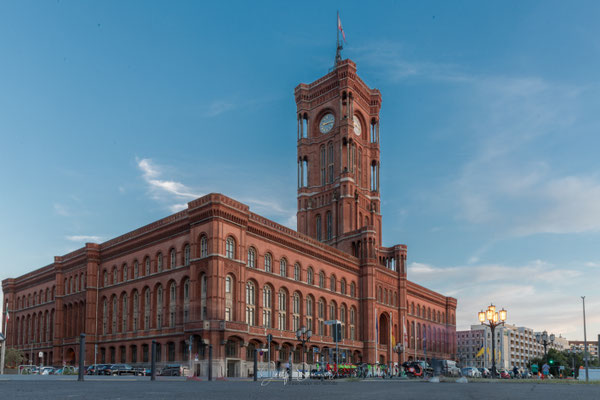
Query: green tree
[[13, 357]]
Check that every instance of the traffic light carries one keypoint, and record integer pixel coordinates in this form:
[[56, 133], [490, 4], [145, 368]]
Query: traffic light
[[551, 362]]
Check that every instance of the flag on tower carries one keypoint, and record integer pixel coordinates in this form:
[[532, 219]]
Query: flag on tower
[[340, 28]]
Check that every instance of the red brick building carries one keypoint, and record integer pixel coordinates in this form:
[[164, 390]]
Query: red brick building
[[227, 277]]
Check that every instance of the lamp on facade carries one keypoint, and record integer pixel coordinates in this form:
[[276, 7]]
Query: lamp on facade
[[494, 319]]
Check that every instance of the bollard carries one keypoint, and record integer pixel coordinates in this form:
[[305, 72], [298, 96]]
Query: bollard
[[291, 370], [210, 362], [153, 362], [81, 356], [255, 364]]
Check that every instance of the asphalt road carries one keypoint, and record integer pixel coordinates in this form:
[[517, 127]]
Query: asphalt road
[[177, 388]]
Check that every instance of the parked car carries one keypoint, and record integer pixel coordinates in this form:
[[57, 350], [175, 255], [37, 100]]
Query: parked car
[[470, 372], [47, 371], [96, 369], [485, 373], [449, 368], [171, 370], [122, 369]]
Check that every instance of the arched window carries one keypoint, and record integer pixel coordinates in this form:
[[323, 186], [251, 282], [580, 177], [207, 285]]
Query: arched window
[[172, 304], [250, 303], [136, 269], [321, 280], [343, 320], [125, 314], [352, 289], [230, 247], [297, 272], [269, 262], [173, 259], [332, 283], [136, 310], [251, 257], [296, 311], [228, 297], [332, 310], [186, 255], [283, 267], [105, 317], [318, 227], [323, 166], [329, 225], [343, 286], [330, 162], [186, 300], [379, 294], [114, 314], [267, 306], [159, 307], [428, 313], [418, 310], [309, 276], [75, 281], [352, 324], [159, 262], [147, 309], [147, 267], [125, 273], [282, 310], [203, 246], [203, 291], [115, 276], [309, 312]]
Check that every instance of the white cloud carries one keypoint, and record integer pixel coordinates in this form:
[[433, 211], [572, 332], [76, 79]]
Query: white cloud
[[218, 107], [536, 294], [85, 238], [167, 191]]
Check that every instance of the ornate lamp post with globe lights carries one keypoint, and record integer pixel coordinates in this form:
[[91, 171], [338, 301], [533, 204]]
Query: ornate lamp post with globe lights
[[542, 338], [304, 336], [493, 318]]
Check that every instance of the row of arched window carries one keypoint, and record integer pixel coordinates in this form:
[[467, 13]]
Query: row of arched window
[[74, 283], [151, 308], [387, 296], [35, 298], [431, 338], [309, 277], [35, 328], [276, 309], [125, 273], [428, 313]]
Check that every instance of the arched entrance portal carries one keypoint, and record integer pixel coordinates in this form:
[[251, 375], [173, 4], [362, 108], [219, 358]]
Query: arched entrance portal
[[384, 330], [70, 356]]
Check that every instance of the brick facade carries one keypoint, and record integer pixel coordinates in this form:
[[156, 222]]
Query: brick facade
[[224, 276]]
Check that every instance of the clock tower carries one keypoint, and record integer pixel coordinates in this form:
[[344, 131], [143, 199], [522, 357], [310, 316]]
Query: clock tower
[[338, 159]]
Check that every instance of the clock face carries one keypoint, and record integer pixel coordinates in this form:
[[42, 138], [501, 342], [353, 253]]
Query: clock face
[[357, 126], [326, 123]]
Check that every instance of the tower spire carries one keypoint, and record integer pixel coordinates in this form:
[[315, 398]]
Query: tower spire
[[339, 45]]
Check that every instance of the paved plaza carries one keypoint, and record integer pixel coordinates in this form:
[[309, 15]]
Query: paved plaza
[[178, 388]]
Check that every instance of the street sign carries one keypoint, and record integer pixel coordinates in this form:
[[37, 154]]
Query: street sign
[[269, 337], [40, 354], [315, 349], [332, 321]]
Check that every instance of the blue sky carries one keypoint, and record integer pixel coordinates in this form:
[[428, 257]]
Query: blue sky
[[113, 114]]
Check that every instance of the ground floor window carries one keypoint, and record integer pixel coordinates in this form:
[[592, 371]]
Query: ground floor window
[[144, 353], [112, 355], [133, 354], [103, 355], [171, 351]]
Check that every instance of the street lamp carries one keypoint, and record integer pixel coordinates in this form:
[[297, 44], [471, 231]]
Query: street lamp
[[303, 335], [494, 319], [542, 338], [399, 348]]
